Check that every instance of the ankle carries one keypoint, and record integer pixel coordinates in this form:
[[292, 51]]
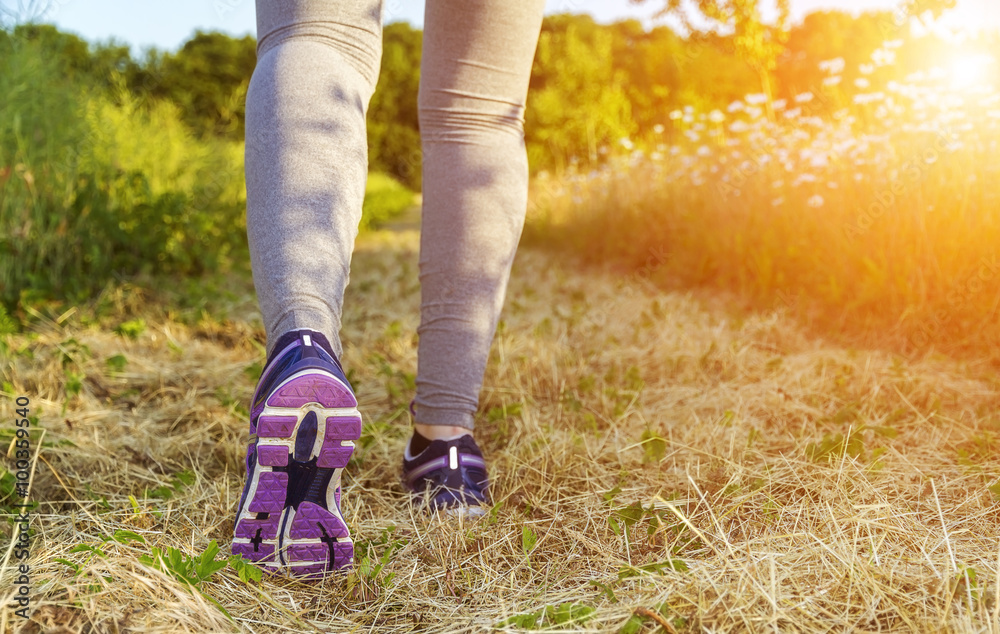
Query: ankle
[[435, 432]]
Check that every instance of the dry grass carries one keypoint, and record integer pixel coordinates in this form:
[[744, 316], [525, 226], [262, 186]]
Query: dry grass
[[871, 536]]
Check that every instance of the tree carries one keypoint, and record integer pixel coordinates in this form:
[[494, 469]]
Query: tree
[[758, 44], [755, 42], [393, 123], [69, 51], [576, 99], [652, 66], [828, 35], [208, 79]]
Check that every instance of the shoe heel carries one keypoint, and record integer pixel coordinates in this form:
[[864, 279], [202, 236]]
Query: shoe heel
[[311, 387]]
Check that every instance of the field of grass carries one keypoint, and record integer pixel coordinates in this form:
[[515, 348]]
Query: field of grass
[[868, 210], [745, 378], [658, 462]]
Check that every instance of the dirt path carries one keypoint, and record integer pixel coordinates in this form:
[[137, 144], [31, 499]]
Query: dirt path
[[646, 452]]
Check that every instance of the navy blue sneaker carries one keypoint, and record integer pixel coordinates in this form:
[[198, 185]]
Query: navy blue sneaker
[[303, 424], [448, 474]]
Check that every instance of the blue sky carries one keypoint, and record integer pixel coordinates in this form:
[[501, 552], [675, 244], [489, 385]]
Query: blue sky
[[168, 24]]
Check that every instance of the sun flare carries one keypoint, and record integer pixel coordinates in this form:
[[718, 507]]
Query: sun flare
[[970, 70]]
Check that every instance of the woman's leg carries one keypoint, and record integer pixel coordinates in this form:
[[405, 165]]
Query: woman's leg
[[307, 156], [477, 57], [306, 164]]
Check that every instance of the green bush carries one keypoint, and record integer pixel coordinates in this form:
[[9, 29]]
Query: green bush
[[98, 184], [95, 187], [385, 198]]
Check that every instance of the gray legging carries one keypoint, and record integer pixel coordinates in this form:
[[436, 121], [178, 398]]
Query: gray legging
[[307, 160]]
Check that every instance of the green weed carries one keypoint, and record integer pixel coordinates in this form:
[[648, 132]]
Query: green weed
[[637, 622], [177, 483], [367, 580], [131, 329], [116, 363], [529, 539], [854, 444], [193, 570], [551, 616]]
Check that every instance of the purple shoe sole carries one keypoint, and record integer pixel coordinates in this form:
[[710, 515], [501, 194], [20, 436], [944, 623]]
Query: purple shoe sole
[[291, 518]]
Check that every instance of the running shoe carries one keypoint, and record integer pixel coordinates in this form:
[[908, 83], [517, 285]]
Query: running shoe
[[303, 424], [448, 474]]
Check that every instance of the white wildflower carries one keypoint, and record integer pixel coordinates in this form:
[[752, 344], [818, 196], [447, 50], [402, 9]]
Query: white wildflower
[[883, 57], [833, 66], [819, 161]]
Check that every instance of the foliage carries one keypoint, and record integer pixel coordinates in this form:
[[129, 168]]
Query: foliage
[[112, 167], [393, 125], [754, 42], [97, 186], [179, 481], [103, 175], [577, 103], [192, 570], [207, 79], [550, 616], [385, 198], [74, 58], [866, 209], [367, 580]]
